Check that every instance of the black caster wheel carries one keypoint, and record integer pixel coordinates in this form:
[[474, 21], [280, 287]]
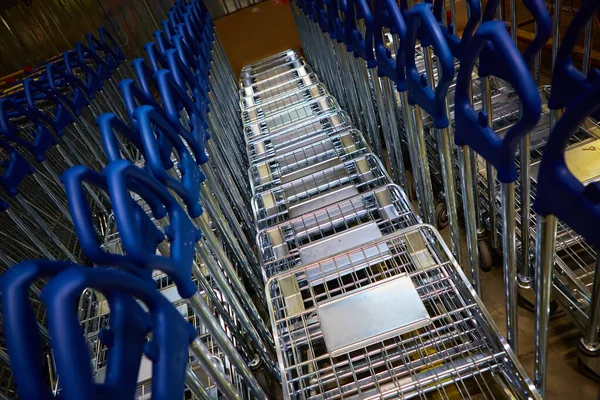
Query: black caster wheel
[[486, 258], [527, 305], [441, 215], [591, 356]]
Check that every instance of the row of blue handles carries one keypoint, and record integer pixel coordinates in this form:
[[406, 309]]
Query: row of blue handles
[[558, 192], [178, 62]]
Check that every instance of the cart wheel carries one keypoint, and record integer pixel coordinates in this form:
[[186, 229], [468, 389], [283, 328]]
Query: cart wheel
[[486, 259], [441, 215], [525, 304], [585, 370]]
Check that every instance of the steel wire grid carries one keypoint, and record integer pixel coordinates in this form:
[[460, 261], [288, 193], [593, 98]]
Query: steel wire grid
[[296, 136], [295, 114], [272, 71], [250, 86], [283, 57], [7, 384], [575, 258], [458, 353], [280, 104], [37, 199], [251, 96], [306, 160], [292, 118], [334, 229], [318, 190]]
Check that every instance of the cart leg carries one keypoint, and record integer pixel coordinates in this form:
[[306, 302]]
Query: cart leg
[[464, 155], [509, 246], [589, 346]]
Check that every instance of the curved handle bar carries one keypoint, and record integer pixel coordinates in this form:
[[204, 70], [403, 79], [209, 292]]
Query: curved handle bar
[[168, 349], [363, 46], [101, 71], [92, 82], [155, 55], [151, 126], [110, 42], [133, 95], [14, 170], [109, 124], [559, 192], [567, 81], [186, 79], [124, 177], [491, 64], [80, 96], [489, 12], [175, 99], [43, 139], [458, 45], [388, 15], [433, 102], [62, 116], [126, 335], [94, 43], [472, 129]]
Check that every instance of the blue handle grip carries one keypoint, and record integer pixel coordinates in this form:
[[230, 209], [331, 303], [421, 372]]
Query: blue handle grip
[[133, 95], [388, 15], [57, 77], [162, 41], [559, 192], [92, 82], [74, 180], [37, 90], [152, 125], [458, 45], [489, 12], [422, 21], [109, 125], [94, 44], [472, 129], [42, 140], [491, 63], [363, 46], [567, 81], [13, 170], [84, 53], [155, 55], [176, 99], [168, 349], [110, 42], [127, 334], [124, 177]]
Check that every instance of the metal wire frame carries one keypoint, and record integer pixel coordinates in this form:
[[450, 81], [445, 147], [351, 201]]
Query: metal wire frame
[[271, 61], [270, 72], [306, 160], [280, 104], [42, 208], [251, 96], [297, 136], [358, 220], [574, 258], [277, 82], [318, 190], [293, 115], [460, 353]]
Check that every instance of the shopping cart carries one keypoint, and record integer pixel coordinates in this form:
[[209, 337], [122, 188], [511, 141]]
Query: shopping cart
[[334, 229], [444, 343], [296, 136], [276, 59], [306, 160], [318, 190], [251, 98]]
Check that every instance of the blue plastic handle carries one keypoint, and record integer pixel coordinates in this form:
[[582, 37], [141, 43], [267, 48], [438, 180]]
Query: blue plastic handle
[[58, 77], [559, 192], [74, 180], [458, 45], [567, 81], [421, 21], [362, 46], [186, 79], [92, 82], [94, 44], [37, 90], [176, 99], [134, 96], [125, 338], [109, 125], [101, 70], [489, 12], [491, 63], [472, 128], [110, 42], [42, 140], [155, 55], [123, 177], [388, 15], [13, 170], [167, 28], [168, 349], [151, 126], [162, 40]]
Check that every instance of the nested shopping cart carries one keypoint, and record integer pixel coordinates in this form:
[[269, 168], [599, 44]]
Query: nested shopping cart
[[318, 190], [305, 160], [334, 229], [392, 318]]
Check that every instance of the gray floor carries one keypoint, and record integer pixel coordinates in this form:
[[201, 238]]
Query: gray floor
[[564, 379]]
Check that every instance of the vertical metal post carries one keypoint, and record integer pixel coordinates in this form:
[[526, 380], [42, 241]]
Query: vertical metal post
[[464, 156], [587, 47], [486, 98], [509, 228], [590, 339]]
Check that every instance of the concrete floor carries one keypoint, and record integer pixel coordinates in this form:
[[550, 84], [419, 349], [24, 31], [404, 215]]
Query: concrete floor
[[564, 379]]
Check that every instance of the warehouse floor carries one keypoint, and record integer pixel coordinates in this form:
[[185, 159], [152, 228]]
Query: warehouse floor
[[267, 28]]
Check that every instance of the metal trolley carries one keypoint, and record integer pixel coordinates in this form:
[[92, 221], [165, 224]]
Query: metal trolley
[[334, 229], [307, 160], [339, 332], [318, 190]]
